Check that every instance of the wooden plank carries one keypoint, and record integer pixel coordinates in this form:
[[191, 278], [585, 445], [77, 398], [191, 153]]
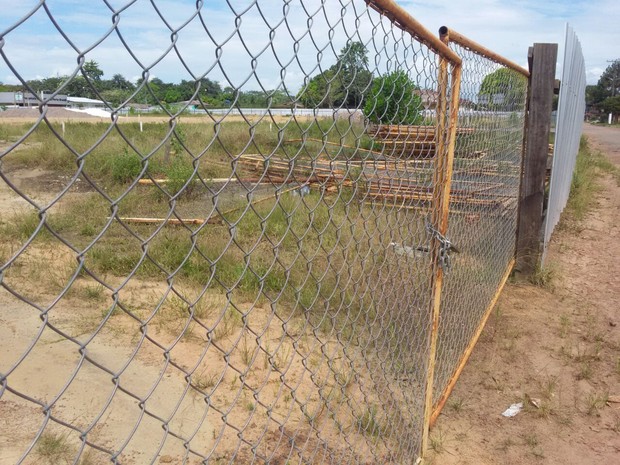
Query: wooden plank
[[171, 221], [148, 182], [412, 129], [337, 144], [216, 218], [455, 376], [542, 82]]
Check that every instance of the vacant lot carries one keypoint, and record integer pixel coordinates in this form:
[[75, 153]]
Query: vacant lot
[[176, 291], [269, 321]]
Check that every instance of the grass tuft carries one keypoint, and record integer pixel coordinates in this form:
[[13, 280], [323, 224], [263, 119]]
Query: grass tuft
[[543, 276], [584, 184], [369, 422], [595, 401], [125, 167], [436, 442], [53, 448]]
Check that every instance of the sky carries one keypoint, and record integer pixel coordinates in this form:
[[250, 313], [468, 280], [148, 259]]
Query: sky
[[268, 43]]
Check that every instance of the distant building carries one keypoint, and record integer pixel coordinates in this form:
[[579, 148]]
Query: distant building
[[28, 99], [491, 99], [429, 98], [83, 102]]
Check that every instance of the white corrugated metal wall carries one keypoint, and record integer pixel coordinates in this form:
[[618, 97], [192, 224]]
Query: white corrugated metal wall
[[569, 121]]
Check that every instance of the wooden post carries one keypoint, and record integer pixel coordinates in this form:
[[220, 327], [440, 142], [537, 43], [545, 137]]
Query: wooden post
[[442, 181], [542, 58]]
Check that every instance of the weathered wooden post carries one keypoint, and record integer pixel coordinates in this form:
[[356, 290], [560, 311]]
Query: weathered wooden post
[[542, 59]]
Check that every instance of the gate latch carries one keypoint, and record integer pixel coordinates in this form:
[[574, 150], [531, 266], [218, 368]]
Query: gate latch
[[445, 247]]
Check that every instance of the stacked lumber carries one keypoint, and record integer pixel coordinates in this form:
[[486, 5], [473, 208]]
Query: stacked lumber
[[408, 141], [406, 186]]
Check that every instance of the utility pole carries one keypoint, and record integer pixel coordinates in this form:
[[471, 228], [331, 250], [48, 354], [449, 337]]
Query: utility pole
[[614, 77]]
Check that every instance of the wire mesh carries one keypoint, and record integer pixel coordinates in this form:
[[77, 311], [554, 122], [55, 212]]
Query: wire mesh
[[483, 204], [210, 283]]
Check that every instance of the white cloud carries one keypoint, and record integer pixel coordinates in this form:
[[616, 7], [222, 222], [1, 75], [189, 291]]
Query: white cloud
[[507, 27]]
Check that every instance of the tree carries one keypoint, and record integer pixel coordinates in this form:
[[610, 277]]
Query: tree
[[9, 87], [119, 82], [78, 87], [503, 88], [115, 96], [341, 85], [322, 91], [611, 105], [608, 86], [210, 88], [356, 79], [609, 81], [595, 95], [393, 100], [92, 71]]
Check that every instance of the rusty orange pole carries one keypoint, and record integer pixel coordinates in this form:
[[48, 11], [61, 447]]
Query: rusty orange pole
[[475, 47], [442, 181], [408, 23], [470, 347]]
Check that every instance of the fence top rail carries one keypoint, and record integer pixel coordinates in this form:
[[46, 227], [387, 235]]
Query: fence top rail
[[406, 22], [475, 47]]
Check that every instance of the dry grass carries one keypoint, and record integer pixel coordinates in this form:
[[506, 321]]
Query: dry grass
[[544, 276], [54, 448], [585, 185]]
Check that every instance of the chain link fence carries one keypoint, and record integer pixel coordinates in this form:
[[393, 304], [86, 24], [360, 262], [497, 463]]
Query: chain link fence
[[210, 284]]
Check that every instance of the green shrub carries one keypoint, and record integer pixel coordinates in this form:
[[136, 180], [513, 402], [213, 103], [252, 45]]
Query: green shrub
[[392, 100], [179, 173], [125, 167]]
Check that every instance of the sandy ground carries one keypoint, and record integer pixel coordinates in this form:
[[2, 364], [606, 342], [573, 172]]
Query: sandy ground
[[556, 347], [108, 375]]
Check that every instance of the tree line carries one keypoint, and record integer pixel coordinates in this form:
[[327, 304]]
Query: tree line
[[605, 95], [92, 84], [348, 83], [390, 98]]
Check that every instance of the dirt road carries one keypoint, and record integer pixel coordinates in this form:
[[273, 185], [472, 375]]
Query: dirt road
[[555, 349], [607, 138]]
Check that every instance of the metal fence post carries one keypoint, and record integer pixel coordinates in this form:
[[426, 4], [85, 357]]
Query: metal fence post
[[442, 179], [541, 87]]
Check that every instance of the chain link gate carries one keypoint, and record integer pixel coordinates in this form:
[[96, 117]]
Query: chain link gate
[[483, 204], [220, 284]]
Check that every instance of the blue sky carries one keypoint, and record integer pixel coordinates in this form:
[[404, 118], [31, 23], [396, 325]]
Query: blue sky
[[37, 49]]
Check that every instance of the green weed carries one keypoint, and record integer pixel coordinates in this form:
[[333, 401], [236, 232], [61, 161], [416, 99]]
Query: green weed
[[595, 402], [125, 167], [53, 448], [369, 422]]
